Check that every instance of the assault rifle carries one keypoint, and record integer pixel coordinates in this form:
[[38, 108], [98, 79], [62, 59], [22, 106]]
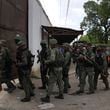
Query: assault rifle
[[38, 56], [95, 65], [89, 60]]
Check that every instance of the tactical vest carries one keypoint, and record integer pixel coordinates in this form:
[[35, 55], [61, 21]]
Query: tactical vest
[[99, 59]]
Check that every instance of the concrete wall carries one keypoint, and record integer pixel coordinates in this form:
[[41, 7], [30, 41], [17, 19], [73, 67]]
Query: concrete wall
[[37, 17]]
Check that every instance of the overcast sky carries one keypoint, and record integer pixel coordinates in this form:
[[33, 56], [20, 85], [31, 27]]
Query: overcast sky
[[57, 9]]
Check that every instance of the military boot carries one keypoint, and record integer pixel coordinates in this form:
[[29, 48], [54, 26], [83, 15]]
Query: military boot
[[20, 87], [65, 91], [90, 92], [33, 87], [25, 100], [69, 86], [106, 85], [11, 90], [45, 99], [59, 96], [79, 92], [32, 94], [42, 87], [107, 88]]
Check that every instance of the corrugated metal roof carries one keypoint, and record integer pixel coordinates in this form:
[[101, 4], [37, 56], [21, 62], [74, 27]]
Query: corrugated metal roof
[[63, 34]]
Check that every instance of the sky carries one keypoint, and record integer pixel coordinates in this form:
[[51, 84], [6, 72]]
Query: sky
[[57, 12]]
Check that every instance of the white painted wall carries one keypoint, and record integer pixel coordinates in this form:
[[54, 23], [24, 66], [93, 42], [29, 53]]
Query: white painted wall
[[36, 17]]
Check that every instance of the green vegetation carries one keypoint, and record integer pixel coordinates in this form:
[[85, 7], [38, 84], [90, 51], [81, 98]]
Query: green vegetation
[[97, 21], [91, 39]]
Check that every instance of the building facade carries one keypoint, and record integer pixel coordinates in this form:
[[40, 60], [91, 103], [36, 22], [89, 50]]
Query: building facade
[[23, 17], [36, 18]]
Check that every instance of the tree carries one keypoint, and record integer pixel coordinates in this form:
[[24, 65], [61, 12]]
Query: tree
[[85, 38], [97, 20], [89, 39]]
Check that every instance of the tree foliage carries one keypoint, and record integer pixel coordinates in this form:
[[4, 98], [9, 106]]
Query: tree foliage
[[97, 20], [89, 39]]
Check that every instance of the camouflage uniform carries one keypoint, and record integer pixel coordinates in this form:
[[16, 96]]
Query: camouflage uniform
[[80, 69], [66, 66], [87, 69], [101, 60], [43, 55], [24, 70], [18, 39], [55, 72], [6, 73], [79, 62]]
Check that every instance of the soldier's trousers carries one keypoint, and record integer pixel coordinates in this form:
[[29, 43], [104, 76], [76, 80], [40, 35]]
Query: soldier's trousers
[[43, 71], [32, 85], [66, 78], [26, 84], [20, 77], [55, 77], [78, 73], [87, 71], [104, 78]]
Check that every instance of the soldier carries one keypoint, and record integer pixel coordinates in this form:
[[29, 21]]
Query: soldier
[[66, 66], [89, 67], [79, 62], [42, 56], [31, 62], [79, 59], [87, 70], [101, 60], [24, 70], [31, 58], [17, 39], [55, 71], [6, 73]]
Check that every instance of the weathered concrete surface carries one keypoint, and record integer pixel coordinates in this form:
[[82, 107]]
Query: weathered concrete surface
[[98, 101]]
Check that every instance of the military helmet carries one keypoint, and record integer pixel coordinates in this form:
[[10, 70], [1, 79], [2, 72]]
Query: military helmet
[[43, 42], [53, 41], [66, 44], [18, 38], [99, 49]]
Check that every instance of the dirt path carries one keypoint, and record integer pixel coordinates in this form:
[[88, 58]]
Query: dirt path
[[98, 101]]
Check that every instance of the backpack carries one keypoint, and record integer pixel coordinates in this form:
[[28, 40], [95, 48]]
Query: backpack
[[8, 60], [59, 58]]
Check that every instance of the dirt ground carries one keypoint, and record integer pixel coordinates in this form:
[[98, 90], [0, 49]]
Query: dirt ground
[[98, 101]]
